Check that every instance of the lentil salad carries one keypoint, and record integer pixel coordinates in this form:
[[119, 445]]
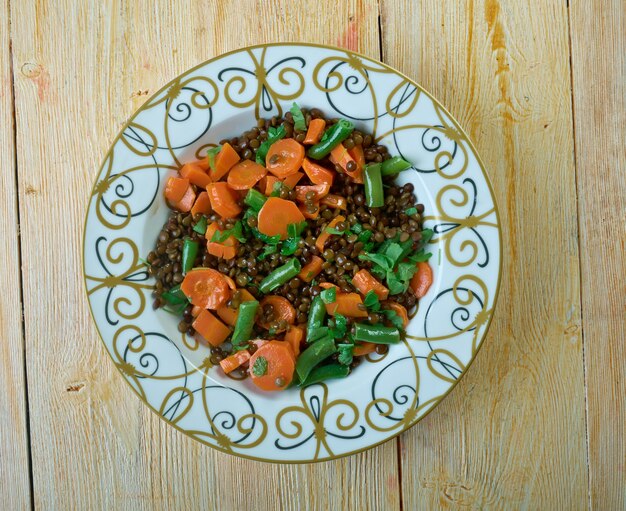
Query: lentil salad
[[290, 251]]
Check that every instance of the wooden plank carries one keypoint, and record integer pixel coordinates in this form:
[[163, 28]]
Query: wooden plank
[[80, 72], [598, 38], [512, 435], [14, 463]]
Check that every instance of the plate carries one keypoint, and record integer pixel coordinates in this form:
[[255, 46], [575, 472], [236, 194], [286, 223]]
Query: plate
[[172, 373]]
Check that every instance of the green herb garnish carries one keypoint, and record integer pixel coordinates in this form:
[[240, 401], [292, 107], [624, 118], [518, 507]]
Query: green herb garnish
[[236, 232], [329, 295], [298, 118], [411, 211], [201, 225], [260, 366], [212, 152], [273, 135], [345, 354]]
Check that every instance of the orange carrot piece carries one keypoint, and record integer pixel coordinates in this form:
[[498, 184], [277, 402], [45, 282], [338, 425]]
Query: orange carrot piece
[[206, 288], [311, 269], [317, 174], [283, 311], [224, 161], [323, 237], [365, 282], [203, 164], [422, 280], [356, 153], [319, 190], [365, 348], [315, 131], [335, 201], [269, 185], [245, 174], [294, 337], [186, 203], [328, 285], [228, 315], [281, 363], [306, 214], [202, 205], [340, 156], [195, 311], [210, 328], [175, 189], [223, 201], [234, 361], [195, 175], [400, 310], [347, 304], [227, 249], [292, 180], [276, 214], [284, 157]]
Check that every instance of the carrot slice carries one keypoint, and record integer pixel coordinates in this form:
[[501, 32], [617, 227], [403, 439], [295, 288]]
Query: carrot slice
[[227, 249], [223, 201], [319, 190], [284, 157], [224, 161], [335, 201], [195, 311], [210, 328], [400, 310], [328, 285], [245, 174], [203, 164], [317, 174], [356, 153], [202, 205], [292, 181], [365, 348], [306, 214], [280, 366], [311, 269], [347, 304], [365, 282], [315, 131], [269, 185], [276, 214], [228, 315], [175, 189], [323, 237], [206, 288], [186, 203], [283, 311], [340, 156], [234, 361], [294, 337], [422, 280], [195, 175]]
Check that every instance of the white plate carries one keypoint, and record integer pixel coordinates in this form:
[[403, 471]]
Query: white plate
[[172, 374]]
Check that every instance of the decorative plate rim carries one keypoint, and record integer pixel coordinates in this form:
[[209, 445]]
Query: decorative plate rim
[[453, 121]]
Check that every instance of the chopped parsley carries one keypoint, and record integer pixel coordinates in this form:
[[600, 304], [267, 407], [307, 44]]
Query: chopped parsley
[[211, 153], [338, 326], [345, 354], [236, 232], [273, 135], [290, 245], [201, 226], [298, 119], [260, 366], [329, 295], [411, 211]]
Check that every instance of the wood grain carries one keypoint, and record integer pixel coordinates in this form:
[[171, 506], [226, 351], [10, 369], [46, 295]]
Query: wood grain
[[598, 38], [14, 469], [81, 68], [512, 435]]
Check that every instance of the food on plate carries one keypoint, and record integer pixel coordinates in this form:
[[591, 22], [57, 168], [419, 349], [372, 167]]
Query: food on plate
[[290, 252]]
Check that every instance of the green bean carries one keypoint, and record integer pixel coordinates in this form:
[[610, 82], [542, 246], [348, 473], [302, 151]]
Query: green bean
[[200, 227], [190, 251], [333, 136], [317, 313], [378, 334], [255, 199], [280, 275], [244, 323], [326, 372], [313, 355], [394, 165], [374, 193], [175, 296]]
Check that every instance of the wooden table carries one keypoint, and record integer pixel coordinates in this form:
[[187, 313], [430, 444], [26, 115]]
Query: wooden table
[[538, 422]]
